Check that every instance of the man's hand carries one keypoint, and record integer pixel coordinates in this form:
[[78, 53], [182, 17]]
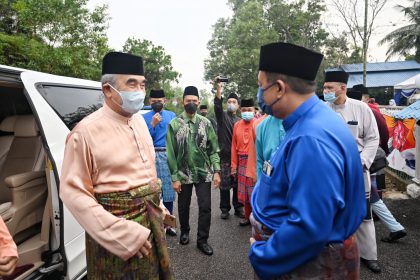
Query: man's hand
[[164, 209], [177, 186], [156, 119], [145, 250], [216, 180], [7, 265], [251, 240], [218, 88]]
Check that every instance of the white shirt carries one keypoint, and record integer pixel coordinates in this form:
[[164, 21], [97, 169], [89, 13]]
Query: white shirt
[[367, 129]]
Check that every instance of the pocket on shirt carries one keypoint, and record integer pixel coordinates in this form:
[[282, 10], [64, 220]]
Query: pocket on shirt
[[265, 179]]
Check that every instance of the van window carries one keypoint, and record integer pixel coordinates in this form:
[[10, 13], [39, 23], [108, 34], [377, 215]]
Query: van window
[[13, 102], [72, 104]]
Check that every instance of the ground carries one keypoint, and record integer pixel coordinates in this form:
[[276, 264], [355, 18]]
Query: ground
[[231, 243]]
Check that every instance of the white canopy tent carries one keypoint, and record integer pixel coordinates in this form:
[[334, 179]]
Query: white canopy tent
[[411, 83]]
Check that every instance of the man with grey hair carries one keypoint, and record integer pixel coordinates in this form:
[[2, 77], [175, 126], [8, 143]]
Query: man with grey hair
[[361, 122], [109, 181]]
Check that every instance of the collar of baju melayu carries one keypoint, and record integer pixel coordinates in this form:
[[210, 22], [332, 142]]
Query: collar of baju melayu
[[340, 106], [300, 111], [115, 116], [185, 117]]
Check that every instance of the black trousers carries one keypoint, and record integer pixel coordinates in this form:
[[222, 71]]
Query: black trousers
[[225, 199], [203, 192]]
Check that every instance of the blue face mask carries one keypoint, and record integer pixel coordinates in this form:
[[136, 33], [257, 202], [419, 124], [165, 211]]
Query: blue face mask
[[330, 97], [268, 109], [132, 101], [247, 116]]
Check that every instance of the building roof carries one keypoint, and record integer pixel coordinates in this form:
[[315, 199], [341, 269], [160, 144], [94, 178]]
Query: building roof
[[411, 112], [380, 74]]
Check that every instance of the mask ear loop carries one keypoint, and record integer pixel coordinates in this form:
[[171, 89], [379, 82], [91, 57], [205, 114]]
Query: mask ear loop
[[277, 100], [112, 99]]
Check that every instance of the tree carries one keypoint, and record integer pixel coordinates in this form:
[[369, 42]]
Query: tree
[[298, 22], [235, 44], [404, 40], [65, 38], [174, 96], [7, 16], [336, 52], [349, 11], [158, 65]]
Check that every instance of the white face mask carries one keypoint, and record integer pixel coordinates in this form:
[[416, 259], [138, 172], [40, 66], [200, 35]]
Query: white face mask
[[132, 101]]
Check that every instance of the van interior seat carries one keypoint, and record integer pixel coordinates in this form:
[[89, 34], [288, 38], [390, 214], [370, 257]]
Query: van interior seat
[[23, 186], [7, 129]]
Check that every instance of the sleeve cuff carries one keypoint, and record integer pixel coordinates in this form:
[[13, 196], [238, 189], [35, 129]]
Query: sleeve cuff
[[175, 178], [216, 167]]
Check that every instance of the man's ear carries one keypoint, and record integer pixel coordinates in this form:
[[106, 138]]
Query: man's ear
[[281, 87], [106, 89]]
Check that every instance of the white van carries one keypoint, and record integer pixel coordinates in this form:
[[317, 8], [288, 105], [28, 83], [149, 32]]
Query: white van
[[37, 111]]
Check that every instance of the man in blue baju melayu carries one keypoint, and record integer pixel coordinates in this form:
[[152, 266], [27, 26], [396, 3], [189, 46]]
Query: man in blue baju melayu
[[157, 121], [309, 200]]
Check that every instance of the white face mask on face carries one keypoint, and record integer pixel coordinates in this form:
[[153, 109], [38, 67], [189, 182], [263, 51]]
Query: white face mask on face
[[132, 101]]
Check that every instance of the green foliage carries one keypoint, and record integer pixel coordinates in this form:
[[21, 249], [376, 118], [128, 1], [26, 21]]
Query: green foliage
[[406, 40], [336, 52], [7, 23], [235, 44], [158, 64], [298, 22], [66, 38], [54, 36]]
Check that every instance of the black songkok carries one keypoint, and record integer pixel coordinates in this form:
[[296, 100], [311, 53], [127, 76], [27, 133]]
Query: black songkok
[[354, 94], [122, 63], [203, 106], [191, 90], [291, 60], [361, 88], [157, 93], [247, 103], [233, 95], [336, 76]]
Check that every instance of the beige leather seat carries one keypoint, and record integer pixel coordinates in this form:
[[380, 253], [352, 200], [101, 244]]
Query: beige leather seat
[[23, 187], [7, 127]]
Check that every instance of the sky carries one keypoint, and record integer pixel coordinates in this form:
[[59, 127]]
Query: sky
[[183, 28]]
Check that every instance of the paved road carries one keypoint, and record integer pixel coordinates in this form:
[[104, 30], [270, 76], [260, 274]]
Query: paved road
[[231, 243]]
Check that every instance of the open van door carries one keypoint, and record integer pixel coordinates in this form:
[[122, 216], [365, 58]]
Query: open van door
[[58, 103]]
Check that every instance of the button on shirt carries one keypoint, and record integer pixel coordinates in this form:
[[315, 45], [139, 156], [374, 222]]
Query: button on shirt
[[270, 133], [314, 194], [192, 149], [107, 152], [158, 133], [242, 133], [368, 135]]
